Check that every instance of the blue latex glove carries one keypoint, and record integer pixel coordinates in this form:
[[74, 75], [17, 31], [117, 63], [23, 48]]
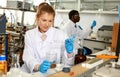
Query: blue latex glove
[[44, 66], [93, 24], [87, 51], [69, 44]]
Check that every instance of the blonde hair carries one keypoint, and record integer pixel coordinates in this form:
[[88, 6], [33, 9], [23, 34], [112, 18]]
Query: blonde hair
[[44, 7]]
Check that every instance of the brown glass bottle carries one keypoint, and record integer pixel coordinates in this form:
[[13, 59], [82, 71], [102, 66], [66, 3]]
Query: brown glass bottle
[[79, 57]]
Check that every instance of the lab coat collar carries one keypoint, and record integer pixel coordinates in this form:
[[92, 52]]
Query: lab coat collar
[[49, 33], [71, 22]]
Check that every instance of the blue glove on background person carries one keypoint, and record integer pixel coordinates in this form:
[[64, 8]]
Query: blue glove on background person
[[44, 66], [69, 44], [93, 24], [87, 51]]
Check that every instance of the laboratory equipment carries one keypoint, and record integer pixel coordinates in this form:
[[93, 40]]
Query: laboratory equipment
[[15, 60], [92, 62], [18, 4], [104, 56], [52, 58], [59, 67], [66, 69], [106, 72], [79, 57], [3, 64], [4, 42], [105, 33]]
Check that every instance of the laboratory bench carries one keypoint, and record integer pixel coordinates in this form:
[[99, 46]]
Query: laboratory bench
[[97, 40], [81, 71], [75, 71], [106, 72]]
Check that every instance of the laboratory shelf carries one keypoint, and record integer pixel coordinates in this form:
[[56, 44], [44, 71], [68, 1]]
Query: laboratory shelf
[[88, 11], [63, 10], [17, 9], [98, 12], [5, 43]]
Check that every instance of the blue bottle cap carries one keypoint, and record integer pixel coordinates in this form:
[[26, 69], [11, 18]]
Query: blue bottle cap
[[2, 57]]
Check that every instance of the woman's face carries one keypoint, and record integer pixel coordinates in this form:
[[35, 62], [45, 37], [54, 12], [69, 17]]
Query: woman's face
[[45, 21]]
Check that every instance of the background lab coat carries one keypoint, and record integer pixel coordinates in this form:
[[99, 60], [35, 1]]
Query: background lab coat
[[35, 50], [80, 34]]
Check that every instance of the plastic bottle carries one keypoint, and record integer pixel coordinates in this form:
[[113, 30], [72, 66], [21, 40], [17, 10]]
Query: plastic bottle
[[79, 57], [3, 65]]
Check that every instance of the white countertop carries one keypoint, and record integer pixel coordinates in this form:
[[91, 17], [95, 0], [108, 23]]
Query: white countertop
[[16, 72]]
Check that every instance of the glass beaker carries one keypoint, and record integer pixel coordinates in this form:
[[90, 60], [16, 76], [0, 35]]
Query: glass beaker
[[15, 60], [52, 57]]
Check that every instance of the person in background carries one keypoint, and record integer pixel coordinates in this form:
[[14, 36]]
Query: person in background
[[72, 28], [43, 39]]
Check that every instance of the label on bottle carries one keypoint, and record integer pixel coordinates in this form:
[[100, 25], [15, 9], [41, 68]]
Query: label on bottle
[[3, 64]]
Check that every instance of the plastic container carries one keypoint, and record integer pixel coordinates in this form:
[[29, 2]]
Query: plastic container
[[3, 64]]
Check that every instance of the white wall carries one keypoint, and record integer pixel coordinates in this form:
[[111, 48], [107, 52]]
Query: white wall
[[102, 19]]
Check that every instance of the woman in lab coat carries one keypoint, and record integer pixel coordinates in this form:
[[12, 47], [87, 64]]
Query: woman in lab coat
[[45, 39], [71, 28]]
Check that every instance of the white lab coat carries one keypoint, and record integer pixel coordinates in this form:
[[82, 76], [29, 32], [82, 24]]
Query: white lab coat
[[70, 29], [35, 49]]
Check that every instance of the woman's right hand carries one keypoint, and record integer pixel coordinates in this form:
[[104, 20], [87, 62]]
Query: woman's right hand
[[44, 66]]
